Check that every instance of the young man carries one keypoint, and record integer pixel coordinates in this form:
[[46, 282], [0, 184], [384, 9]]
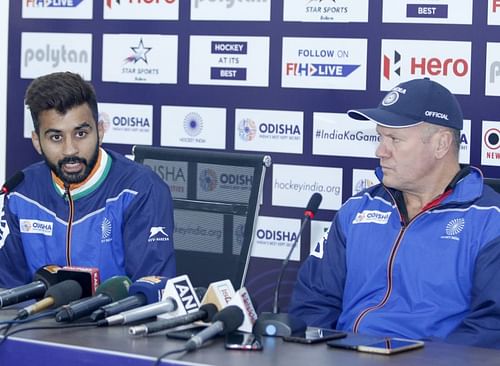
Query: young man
[[83, 205], [418, 255]]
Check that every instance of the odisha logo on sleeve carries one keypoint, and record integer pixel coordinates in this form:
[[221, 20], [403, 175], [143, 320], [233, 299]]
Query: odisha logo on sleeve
[[207, 180], [247, 129], [193, 124]]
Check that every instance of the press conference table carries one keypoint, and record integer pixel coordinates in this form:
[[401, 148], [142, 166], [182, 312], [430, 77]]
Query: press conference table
[[112, 346]]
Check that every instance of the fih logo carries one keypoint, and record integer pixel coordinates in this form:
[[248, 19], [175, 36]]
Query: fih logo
[[193, 124], [392, 64], [455, 226], [106, 230], [208, 180], [247, 129], [140, 53], [53, 3]]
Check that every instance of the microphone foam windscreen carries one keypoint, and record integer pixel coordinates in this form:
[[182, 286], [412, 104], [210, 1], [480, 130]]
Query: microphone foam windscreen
[[314, 202], [231, 317], [64, 292], [47, 274], [13, 181], [211, 310], [115, 287]]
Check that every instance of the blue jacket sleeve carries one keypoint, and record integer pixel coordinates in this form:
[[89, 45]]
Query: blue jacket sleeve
[[13, 268], [318, 292], [481, 327], [148, 231]]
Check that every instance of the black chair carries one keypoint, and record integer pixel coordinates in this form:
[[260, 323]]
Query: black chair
[[217, 197], [493, 183]]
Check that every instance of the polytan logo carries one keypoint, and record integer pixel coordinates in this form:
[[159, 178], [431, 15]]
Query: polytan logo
[[330, 11], [141, 9], [174, 173], [45, 53], [134, 58], [269, 130], [490, 149], [324, 63], [493, 12], [125, 122], [198, 127], [233, 10], [57, 9], [336, 134], [292, 185], [35, 227], [492, 80], [274, 237], [225, 60], [430, 11], [363, 179], [447, 62]]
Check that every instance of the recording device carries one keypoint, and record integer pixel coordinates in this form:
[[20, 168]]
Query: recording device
[[42, 279], [225, 321], [219, 293], [87, 277], [12, 182], [315, 335], [179, 298], [243, 341], [205, 313], [145, 290], [385, 346], [281, 324], [61, 293], [113, 289]]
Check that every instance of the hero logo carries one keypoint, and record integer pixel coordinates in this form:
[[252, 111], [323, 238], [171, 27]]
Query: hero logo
[[372, 216], [425, 66], [187, 295], [109, 3]]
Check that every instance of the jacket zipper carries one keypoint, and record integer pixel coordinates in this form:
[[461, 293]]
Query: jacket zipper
[[70, 224]]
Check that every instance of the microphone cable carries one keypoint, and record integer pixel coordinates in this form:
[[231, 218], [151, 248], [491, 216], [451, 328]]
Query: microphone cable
[[168, 353]]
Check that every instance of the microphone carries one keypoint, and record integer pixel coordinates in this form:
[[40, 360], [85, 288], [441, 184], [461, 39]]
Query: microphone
[[145, 290], [113, 289], [242, 300], [225, 321], [282, 324], [179, 298], [87, 277], [205, 313], [42, 279], [57, 295], [12, 182], [219, 293]]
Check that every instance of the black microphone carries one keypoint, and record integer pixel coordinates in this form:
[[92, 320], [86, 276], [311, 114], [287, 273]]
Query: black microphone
[[12, 182], [205, 313], [113, 289], [145, 290], [43, 278], [61, 293], [225, 321], [282, 324]]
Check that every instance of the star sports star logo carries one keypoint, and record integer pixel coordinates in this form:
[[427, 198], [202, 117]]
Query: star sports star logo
[[140, 53]]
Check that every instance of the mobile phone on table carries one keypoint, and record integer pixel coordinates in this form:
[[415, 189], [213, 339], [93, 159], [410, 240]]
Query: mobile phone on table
[[385, 346], [315, 335], [243, 341], [185, 333]]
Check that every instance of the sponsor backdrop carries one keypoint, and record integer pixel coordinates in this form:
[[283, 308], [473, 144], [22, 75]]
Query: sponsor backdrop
[[266, 76]]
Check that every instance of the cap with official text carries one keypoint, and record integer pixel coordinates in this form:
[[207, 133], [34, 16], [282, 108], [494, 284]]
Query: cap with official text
[[414, 102]]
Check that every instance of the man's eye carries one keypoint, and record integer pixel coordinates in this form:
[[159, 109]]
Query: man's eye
[[81, 133], [55, 138]]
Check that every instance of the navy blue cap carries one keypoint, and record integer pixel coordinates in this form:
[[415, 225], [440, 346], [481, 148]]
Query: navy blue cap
[[414, 102]]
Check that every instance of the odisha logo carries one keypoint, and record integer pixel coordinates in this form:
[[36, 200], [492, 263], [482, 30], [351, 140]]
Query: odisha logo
[[207, 180], [455, 226], [193, 124], [104, 120], [26, 225], [362, 184], [247, 129]]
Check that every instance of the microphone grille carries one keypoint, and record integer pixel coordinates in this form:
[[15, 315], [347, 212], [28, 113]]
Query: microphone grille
[[231, 317], [115, 287]]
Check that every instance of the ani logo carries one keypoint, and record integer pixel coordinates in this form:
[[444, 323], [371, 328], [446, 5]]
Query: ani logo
[[455, 226], [207, 180], [105, 229], [247, 129], [193, 124]]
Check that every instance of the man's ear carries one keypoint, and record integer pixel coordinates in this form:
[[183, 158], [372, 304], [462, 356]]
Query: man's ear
[[445, 140], [100, 132], [35, 140]]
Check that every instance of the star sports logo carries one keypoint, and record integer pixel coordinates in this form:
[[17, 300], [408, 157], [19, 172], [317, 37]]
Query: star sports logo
[[140, 53]]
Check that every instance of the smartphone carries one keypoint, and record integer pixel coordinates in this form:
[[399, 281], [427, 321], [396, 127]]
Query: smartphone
[[186, 333], [386, 346], [243, 341], [315, 335]]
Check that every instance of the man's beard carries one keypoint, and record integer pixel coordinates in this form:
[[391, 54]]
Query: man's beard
[[72, 178]]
